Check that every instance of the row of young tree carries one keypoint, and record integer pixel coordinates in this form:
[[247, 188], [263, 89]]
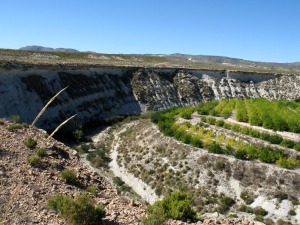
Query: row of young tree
[[271, 138], [279, 115], [200, 137]]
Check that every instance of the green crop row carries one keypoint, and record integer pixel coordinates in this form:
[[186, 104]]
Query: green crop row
[[199, 136], [276, 115], [271, 138]]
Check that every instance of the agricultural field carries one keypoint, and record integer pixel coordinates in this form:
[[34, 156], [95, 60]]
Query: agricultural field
[[271, 115]]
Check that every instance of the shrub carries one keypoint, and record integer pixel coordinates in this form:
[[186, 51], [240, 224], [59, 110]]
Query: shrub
[[227, 126], [16, 118], [292, 212], [287, 143], [247, 209], [92, 189], [259, 211], [69, 176], [14, 127], [254, 133], [288, 163], [215, 148], [240, 154], [196, 142], [220, 123], [156, 215], [176, 206], [297, 146], [30, 142], [248, 198], [275, 139], [225, 203], [2, 122], [40, 152], [203, 119], [268, 155], [78, 134], [33, 160], [80, 211], [211, 120]]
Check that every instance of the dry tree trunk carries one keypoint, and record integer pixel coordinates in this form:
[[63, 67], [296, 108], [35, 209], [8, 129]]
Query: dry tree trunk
[[46, 106], [57, 128]]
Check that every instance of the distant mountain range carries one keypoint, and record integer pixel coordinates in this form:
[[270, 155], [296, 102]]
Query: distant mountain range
[[47, 49], [186, 58]]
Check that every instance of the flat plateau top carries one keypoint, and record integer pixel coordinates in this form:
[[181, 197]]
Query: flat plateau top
[[24, 59]]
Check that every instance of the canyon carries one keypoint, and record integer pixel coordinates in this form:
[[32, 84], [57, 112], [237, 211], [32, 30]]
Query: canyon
[[98, 92]]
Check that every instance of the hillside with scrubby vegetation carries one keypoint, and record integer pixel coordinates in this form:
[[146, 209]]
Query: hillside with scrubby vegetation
[[218, 155]]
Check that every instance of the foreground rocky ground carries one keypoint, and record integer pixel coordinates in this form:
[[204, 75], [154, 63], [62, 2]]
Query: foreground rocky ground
[[26, 189], [32, 186]]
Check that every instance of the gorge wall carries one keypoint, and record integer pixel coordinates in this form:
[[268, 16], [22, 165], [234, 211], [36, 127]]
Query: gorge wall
[[101, 92]]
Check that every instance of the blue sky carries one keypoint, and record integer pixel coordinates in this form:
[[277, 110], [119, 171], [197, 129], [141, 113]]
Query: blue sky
[[261, 30]]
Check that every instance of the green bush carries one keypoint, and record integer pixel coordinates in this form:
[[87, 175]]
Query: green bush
[[287, 143], [288, 163], [220, 123], [215, 148], [156, 215], [92, 189], [30, 142], [40, 152], [297, 146], [196, 142], [14, 127], [247, 197], [78, 134], [176, 206], [211, 120], [69, 176], [80, 211], [259, 211], [292, 212], [240, 154], [33, 160], [268, 155], [254, 133]]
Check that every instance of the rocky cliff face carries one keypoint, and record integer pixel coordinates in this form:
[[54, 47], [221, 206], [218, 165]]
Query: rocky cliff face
[[97, 93]]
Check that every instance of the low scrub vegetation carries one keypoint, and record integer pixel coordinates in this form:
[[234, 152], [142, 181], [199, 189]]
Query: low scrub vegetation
[[79, 211], [69, 176], [30, 142], [176, 206]]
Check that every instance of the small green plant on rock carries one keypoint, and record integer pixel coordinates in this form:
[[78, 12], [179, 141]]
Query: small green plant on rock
[[40, 152], [30, 142], [93, 190], [33, 160], [69, 176], [247, 197], [14, 127], [16, 118]]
